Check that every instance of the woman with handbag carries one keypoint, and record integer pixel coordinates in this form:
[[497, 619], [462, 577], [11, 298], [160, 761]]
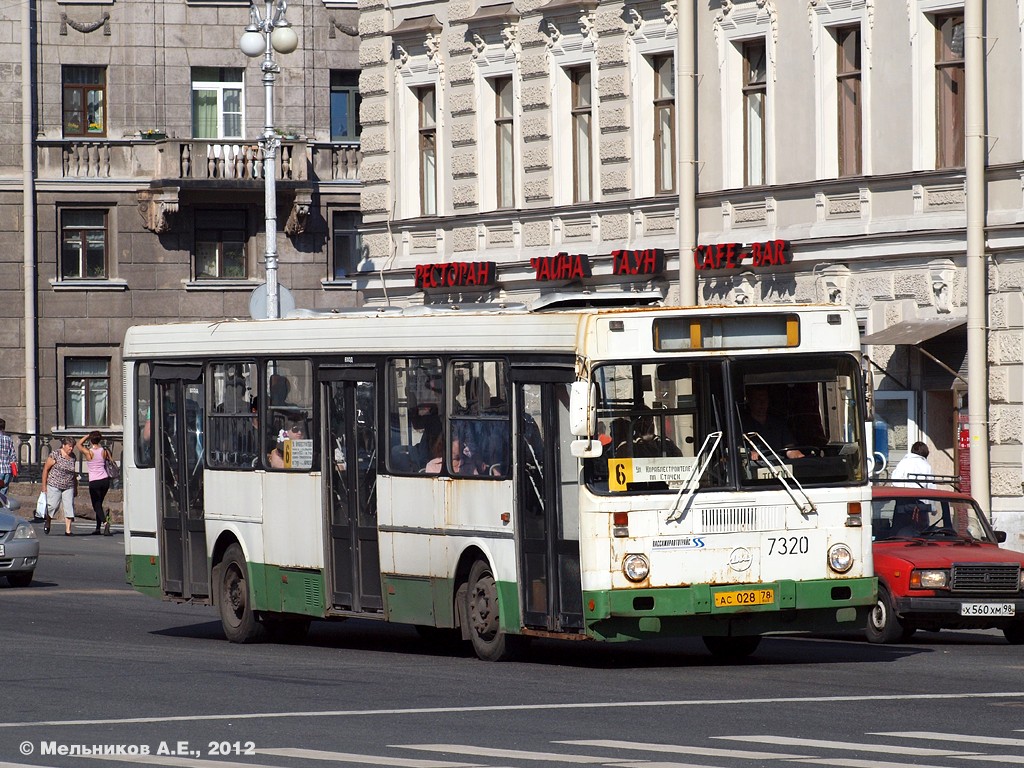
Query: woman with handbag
[[97, 459], [60, 479]]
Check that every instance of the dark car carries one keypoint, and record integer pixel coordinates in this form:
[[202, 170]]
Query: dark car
[[940, 566], [19, 549]]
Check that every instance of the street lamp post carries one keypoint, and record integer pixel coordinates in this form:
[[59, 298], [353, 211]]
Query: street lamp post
[[266, 33]]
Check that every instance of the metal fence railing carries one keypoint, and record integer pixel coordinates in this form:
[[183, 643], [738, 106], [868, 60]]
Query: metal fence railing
[[34, 449]]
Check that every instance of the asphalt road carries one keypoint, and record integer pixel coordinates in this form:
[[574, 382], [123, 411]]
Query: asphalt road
[[87, 664]]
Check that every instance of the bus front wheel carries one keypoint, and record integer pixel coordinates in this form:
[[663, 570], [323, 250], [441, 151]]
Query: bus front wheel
[[883, 624], [490, 643], [236, 613]]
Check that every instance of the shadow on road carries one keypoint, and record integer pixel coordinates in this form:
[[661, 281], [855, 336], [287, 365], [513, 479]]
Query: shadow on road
[[366, 635]]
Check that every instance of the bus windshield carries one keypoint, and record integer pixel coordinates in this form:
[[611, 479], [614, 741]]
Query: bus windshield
[[742, 421]]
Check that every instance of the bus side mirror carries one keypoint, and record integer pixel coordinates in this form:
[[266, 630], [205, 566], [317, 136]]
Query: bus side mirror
[[582, 408]]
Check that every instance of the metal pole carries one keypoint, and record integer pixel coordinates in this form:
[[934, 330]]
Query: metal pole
[[977, 299], [686, 107], [270, 144], [29, 219]]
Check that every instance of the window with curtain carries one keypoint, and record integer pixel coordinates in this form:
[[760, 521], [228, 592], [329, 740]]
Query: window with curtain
[[427, 150], [217, 102], [83, 244], [755, 97], [582, 120], [504, 126], [84, 101], [949, 91], [848, 88], [220, 245], [86, 392], [345, 106], [664, 124]]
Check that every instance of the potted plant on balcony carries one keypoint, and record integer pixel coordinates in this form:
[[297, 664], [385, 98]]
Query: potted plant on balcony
[[152, 134]]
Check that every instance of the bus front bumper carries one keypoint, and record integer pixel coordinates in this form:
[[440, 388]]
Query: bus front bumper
[[733, 609]]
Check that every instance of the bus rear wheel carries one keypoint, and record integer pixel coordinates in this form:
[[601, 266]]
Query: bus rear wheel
[[490, 642], [731, 648], [236, 614]]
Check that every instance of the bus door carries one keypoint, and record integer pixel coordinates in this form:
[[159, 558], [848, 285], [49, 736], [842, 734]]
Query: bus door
[[178, 425], [547, 502], [349, 416]]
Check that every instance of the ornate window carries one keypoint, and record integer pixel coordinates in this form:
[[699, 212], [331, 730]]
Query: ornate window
[[848, 108], [217, 102], [83, 244], [755, 98], [345, 106], [949, 91], [84, 107], [220, 245]]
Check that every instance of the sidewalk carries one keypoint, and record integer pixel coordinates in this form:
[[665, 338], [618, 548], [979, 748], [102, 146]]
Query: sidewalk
[[27, 493]]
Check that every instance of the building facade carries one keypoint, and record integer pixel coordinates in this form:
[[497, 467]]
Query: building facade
[[518, 151], [130, 157]]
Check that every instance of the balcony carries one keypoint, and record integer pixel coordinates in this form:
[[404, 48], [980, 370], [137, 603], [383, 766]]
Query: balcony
[[190, 160], [173, 166]]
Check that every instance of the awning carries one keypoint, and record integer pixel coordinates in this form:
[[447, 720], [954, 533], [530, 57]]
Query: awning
[[915, 331]]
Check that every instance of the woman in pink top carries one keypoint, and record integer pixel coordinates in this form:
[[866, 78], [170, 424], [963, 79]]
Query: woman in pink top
[[96, 457]]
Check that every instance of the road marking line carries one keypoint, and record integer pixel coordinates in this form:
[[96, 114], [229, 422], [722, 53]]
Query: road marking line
[[682, 750], [179, 762], [850, 745], [346, 757], [942, 736], [520, 708], [841, 762], [1014, 759], [515, 754]]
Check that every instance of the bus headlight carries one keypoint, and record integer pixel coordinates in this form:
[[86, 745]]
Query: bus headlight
[[840, 558], [635, 567]]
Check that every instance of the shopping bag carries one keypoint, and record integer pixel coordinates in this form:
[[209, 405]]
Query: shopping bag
[[41, 506], [14, 469]]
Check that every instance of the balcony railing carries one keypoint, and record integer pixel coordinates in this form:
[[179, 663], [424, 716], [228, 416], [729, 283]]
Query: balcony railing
[[33, 451], [132, 158]]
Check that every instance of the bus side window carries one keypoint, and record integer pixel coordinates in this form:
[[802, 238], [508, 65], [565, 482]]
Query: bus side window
[[415, 387], [233, 439], [143, 415], [289, 430], [480, 418]]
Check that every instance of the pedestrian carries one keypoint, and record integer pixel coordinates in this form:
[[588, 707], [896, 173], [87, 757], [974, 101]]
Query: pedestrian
[[7, 459], [914, 467], [96, 458], [60, 479]]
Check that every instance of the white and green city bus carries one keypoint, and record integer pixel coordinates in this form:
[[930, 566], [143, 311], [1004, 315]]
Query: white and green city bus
[[503, 474]]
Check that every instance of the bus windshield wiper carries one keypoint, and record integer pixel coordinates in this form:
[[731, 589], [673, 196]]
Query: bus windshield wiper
[[692, 482], [778, 469]]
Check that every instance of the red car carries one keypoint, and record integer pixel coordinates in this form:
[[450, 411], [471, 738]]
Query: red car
[[940, 566]]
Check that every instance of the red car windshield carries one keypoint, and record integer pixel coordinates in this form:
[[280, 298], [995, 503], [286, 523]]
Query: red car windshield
[[922, 516]]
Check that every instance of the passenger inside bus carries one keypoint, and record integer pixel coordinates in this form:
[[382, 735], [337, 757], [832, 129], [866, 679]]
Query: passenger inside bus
[[758, 417], [647, 443]]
